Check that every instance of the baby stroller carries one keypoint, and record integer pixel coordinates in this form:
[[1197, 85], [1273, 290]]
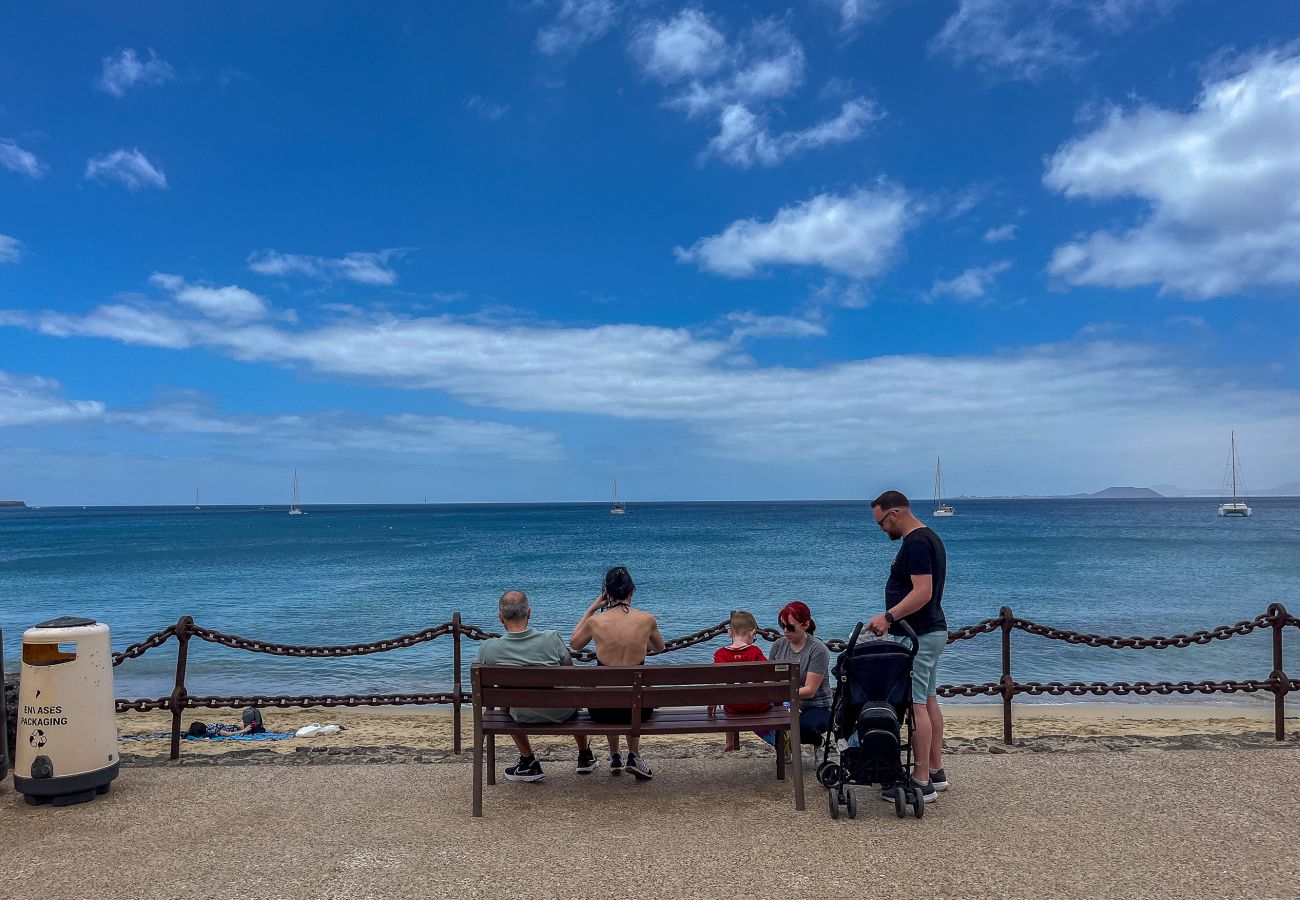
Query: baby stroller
[[865, 746]]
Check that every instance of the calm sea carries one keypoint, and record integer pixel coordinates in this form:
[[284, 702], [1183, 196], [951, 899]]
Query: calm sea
[[356, 573]]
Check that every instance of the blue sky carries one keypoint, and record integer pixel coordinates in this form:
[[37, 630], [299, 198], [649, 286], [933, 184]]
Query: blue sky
[[736, 251]]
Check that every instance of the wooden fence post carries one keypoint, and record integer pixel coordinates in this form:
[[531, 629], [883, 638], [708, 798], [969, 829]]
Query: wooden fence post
[[1279, 614], [456, 686], [1008, 686], [183, 627]]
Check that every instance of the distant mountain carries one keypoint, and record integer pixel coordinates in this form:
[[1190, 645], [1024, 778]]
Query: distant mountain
[[1290, 489], [1124, 493], [18, 503]]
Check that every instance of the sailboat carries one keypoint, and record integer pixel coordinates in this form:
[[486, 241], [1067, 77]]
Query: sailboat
[[196, 499], [1236, 507], [294, 508], [939, 508], [616, 505]]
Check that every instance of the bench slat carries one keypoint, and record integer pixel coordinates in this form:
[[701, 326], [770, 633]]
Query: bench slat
[[660, 723]]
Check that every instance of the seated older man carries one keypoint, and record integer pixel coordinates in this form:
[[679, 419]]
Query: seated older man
[[522, 645]]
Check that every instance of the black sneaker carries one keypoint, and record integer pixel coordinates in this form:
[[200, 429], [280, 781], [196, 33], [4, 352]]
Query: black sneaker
[[636, 765], [615, 764], [525, 770], [939, 780], [587, 762], [928, 791]]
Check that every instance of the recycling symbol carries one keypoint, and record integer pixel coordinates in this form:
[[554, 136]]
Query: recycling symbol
[[37, 739]]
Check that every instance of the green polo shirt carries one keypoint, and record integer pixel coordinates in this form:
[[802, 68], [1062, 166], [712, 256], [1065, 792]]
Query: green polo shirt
[[529, 647]]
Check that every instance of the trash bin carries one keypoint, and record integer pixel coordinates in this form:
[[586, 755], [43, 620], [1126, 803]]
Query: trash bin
[[66, 746]]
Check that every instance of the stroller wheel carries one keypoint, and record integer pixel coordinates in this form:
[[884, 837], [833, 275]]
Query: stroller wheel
[[834, 803], [918, 802], [830, 775], [852, 804], [900, 802]]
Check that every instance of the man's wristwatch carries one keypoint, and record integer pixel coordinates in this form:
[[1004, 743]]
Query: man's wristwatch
[[889, 617]]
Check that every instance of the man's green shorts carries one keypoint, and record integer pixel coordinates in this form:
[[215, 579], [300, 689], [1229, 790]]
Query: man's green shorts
[[925, 667]]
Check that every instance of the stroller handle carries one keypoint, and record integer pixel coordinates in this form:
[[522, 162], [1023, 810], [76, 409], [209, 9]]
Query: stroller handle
[[914, 643]]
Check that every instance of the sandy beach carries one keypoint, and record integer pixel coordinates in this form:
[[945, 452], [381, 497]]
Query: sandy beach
[[423, 734]]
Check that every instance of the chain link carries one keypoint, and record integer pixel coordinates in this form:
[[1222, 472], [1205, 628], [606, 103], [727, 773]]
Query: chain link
[[157, 639], [236, 642], [1221, 633]]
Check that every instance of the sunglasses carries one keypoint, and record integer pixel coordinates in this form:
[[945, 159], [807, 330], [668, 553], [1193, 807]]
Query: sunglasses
[[787, 626]]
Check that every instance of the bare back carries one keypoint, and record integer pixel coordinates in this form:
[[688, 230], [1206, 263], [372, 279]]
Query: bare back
[[623, 635]]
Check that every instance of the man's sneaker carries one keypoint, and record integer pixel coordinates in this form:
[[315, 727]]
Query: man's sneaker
[[929, 791], [636, 765], [525, 770], [615, 764], [587, 762], [939, 780]]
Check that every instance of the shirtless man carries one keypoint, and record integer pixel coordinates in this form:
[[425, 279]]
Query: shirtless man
[[623, 636]]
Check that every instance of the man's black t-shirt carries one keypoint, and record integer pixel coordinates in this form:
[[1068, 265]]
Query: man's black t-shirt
[[922, 553]]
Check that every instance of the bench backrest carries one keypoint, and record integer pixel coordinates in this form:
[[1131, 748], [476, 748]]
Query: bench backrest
[[634, 686]]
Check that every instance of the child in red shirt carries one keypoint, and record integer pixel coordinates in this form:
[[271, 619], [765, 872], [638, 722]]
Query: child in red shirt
[[743, 626]]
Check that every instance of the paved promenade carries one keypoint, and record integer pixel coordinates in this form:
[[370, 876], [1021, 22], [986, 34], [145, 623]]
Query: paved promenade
[[1153, 824]]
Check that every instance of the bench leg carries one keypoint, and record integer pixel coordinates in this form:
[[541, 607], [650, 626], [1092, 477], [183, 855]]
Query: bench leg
[[491, 759], [478, 773], [780, 756], [796, 754]]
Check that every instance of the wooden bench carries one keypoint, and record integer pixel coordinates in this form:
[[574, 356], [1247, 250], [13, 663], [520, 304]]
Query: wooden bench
[[678, 695]]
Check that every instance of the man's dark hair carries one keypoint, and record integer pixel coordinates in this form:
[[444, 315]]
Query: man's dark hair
[[618, 584], [891, 500]]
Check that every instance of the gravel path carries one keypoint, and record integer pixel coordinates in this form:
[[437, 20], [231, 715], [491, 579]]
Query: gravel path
[[1190, 823]]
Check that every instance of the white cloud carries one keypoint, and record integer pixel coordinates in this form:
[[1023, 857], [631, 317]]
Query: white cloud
[[750, 325], [1001, 233], [368, 267], [686, 46], [10, 249], [1189, 321], [1029, 38], [486, 109], [578, 23], [972, 284], [853, 14], [122, 72], [24, 162], [744, 140], [229, 304], [766, 63], [131, 168], [1072, 403], [1221, 183], [858, 235], [27, 400], [401, 433]]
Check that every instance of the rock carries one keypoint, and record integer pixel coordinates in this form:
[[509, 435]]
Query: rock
[[997, 748]]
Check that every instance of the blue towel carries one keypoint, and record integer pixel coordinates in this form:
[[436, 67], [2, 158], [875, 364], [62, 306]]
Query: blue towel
[[264, 736]]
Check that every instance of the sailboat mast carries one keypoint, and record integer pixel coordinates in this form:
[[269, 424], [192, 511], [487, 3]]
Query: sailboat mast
[[1234, 467]]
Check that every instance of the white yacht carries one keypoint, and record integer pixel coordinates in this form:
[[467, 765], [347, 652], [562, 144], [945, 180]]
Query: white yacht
[[940, 508], [294, 508], [616, 505], [1237, 507]]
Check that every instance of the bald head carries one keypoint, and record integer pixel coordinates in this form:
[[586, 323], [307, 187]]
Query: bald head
[[514, 608]]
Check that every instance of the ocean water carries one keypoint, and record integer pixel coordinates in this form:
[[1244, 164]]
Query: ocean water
[[357, 573]]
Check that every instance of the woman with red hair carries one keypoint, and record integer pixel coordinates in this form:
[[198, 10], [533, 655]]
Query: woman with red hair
[[800, 645]]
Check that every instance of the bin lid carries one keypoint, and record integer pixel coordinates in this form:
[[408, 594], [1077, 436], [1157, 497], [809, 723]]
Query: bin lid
[[67, 622]]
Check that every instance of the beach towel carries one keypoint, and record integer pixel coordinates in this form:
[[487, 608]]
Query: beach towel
[[261, 736], [212, 730]]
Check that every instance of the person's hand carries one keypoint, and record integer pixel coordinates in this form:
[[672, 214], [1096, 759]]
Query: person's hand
[[878, 625], [596, 604], [713, 711]]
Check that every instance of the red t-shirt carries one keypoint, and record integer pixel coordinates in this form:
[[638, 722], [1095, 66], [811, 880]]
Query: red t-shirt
[[752, 653]]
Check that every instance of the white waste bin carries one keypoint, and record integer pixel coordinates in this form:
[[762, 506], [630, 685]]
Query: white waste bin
[[66, 746]]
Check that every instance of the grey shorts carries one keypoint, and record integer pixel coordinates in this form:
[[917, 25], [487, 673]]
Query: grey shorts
[[925, 667]]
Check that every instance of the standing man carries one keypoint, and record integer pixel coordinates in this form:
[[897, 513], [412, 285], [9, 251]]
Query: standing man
[[522, 645], [914, 594]]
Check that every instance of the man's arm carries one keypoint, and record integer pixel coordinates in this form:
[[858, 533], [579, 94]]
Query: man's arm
[[917, 597]]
